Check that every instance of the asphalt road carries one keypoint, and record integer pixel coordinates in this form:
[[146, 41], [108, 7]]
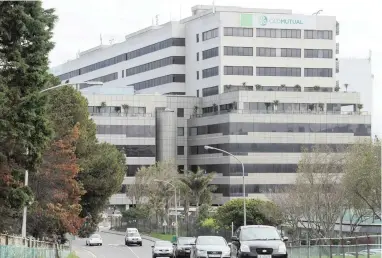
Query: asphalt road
[[113, 247]]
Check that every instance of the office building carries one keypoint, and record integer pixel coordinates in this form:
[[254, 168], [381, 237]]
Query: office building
[[258, 83]]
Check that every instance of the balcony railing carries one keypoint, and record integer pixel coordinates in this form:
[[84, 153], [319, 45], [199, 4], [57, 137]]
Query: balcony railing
[[122, 114], [337, 28], [308, 112], [337, 48]]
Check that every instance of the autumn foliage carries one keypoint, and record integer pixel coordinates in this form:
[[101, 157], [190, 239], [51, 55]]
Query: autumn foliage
[[56, 189]]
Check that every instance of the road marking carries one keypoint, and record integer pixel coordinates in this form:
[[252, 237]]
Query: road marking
[[93, 255], [133, 252]]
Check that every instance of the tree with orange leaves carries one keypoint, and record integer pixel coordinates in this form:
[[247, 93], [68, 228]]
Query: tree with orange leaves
[[57, 192]]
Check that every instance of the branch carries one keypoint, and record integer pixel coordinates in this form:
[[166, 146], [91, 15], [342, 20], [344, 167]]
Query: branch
[[368, 204]]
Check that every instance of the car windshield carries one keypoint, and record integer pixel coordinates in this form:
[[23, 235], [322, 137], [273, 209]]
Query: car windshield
[[186, 240], [259, 233], [163, 243], [211, 240], [133, 234], [95, 236]]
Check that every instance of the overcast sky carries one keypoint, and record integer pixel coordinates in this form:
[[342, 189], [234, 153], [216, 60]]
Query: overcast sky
[[82, 21]]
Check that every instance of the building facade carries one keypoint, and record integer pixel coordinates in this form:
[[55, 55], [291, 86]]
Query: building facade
[[258, 83]]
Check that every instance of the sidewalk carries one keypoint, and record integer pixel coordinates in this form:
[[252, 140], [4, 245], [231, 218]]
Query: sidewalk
[[152, 239]]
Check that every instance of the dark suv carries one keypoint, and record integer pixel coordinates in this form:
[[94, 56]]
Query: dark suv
[[183, 246], [258, 241]]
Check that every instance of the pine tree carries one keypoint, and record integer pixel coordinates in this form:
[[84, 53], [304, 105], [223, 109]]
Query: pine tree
[[25, 42]]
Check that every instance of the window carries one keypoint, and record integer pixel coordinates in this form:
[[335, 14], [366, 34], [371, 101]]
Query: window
[[180, 112], [318, 34], [278, 71], [318, 53], [105, 78], [210, 34], [238, 51], [197, 38], [238, 32], [210, 91], [318, 72], [180, 131], [126, 56], [159, 81], [238, 70], [209, 72], [291, 52], [180, 150], [123, 73], [265, 51], [278, 33], [197, 75], [197, 93], [181, 169], [156, 64], [197, 56], [210, 53]]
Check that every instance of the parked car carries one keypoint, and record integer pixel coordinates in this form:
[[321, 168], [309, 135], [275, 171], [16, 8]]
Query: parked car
[[258, 241], [183, 246], [210, 246], [133, 238], [94, 239], [163, 249]]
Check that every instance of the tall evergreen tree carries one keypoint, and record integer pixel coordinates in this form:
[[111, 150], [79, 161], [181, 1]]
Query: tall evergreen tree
[[25, 42]]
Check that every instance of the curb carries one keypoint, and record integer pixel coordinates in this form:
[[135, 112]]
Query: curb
[[151, 239]]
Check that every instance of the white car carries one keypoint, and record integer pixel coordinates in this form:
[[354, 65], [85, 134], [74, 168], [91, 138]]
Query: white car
[[163, 249], [94, 240], [133, 238]]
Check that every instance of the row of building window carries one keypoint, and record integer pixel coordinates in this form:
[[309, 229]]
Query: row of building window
[[236, 169], [244, 148], [155, 64], [209, 53], [278, 33], [238, 70], [243, 128], [293, 107], [105, 78], [238, 32], [318, 72], [126, 56], [128, 130], [214, 33], [159, 81], [116, 109], [132, 170], [210, 91], [232, 190], [209, 72], [238, 51], [278, 71], [137, 150]]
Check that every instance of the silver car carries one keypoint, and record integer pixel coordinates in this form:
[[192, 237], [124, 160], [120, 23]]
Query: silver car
[[210, 246], [163, 249]]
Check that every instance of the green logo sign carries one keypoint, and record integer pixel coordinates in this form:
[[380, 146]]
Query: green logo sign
[[263, 20]]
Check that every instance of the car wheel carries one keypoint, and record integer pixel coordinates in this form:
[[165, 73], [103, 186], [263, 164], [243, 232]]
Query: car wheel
[[140, 244]]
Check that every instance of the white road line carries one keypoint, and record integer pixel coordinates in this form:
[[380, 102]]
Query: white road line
[[93, 255], [133, 252]]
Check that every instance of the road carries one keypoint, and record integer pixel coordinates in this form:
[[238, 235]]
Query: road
[[113, 247]]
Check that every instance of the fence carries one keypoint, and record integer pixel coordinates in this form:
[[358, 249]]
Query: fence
[[185, 228], [18, 247], [360, 246]]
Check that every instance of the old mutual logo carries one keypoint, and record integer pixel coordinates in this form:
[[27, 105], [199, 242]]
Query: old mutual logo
[[264, 20]]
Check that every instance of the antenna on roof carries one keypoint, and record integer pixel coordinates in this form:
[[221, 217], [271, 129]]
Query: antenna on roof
[[370, 55], [111, 41], [78, 53], [100, 38], [213, 6], [157, 19]]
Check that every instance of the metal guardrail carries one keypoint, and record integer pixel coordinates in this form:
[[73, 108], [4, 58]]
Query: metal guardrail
[[16, 247], [360, 246]]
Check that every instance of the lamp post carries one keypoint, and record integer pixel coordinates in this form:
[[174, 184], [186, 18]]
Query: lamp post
[[242, 166], [176, 205], [24, 225]]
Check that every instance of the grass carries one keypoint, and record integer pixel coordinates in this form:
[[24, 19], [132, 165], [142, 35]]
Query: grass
[[162, 236], [73, 255]]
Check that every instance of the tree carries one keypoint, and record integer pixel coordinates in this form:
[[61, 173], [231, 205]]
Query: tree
[[258, 213], [102, 173], [362, 178], [57, 193], [317, 194], [25, 42]]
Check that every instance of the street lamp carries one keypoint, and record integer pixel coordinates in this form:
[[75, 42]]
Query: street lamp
[[176, 205], [242, 166], [24, 225]]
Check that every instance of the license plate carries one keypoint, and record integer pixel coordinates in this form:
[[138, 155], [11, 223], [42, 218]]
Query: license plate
[[187, 251], [214, 255], [264, 256]]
